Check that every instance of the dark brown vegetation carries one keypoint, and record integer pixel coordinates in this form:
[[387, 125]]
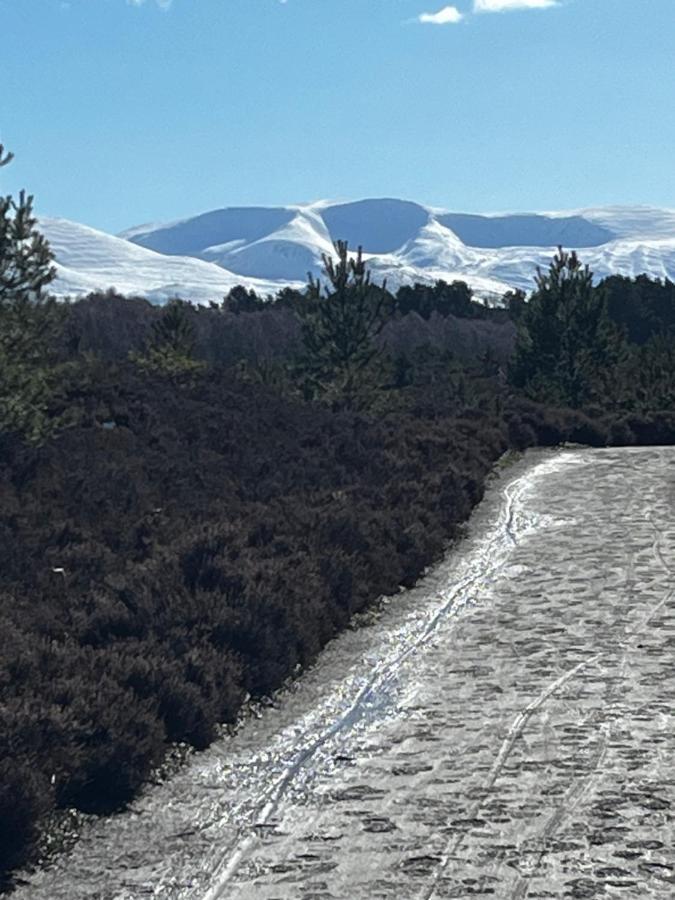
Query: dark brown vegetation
[[184, 545]]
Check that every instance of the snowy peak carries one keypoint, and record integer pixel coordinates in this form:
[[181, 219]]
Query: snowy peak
[[274, 243], [379, 226], [191, 236]]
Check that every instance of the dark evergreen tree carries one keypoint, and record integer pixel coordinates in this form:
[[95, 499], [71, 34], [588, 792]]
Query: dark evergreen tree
[[29, 319], [445, 299], [25, 258], [240, 300], [455, 299], [287, 298], [515, 302], [644, 381], [174, 330], [566, 339], [171, 348], [643, 307], [343, 360]]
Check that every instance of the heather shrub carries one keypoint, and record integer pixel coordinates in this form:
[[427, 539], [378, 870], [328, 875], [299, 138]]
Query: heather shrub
[[24, 798]]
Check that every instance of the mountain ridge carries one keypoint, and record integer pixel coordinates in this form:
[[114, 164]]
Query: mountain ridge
[[266, 248]]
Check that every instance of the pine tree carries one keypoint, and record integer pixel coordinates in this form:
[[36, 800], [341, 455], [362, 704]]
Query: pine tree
[[343, 360], [25, 258], [240, 300], [515, 302], [171, 348], [29, 319], [173, 330], [565, 338]]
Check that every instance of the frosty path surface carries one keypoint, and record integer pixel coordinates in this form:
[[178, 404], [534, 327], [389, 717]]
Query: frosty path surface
[[503, 730]]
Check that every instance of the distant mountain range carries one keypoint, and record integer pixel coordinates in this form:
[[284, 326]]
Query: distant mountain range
[[267, 248]]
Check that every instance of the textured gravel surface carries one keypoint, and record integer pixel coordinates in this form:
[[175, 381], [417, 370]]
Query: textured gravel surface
[[503, 730]]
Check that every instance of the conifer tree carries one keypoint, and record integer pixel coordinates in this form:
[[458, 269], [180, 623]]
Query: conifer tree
[[515, 302], [240, 300], [25, 258], [342, 358], [173, 330], [29, 319], [565, 338], [171, 348]]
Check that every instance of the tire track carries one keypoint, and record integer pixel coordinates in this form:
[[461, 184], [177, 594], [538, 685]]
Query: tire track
[[513, 734], [491, 555], [574, 796], [581, 788]]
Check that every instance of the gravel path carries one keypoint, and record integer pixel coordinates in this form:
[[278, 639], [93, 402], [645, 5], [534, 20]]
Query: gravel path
[[504, 730]]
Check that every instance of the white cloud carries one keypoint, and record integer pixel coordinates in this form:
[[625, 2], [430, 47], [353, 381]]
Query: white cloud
[[449, 15], [163, 4], [489, 6]]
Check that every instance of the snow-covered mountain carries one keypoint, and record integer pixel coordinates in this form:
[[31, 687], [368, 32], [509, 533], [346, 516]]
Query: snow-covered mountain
[[89, 260], [265, 248]]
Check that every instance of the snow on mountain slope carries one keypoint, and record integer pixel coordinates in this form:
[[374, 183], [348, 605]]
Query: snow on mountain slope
[[189, 236], [265, 248], [89, 260], [288, 253], [526, 230], [517, 265], [379, 226], [654, 257], [634, 222], [437, 247]]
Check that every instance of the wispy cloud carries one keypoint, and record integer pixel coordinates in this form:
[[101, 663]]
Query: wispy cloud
[[492, 6], [449, 15], [163, 4]]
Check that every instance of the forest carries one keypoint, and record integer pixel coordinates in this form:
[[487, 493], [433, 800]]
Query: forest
[[195, 500]]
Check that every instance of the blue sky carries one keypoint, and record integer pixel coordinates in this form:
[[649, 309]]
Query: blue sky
[[126, 111]]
